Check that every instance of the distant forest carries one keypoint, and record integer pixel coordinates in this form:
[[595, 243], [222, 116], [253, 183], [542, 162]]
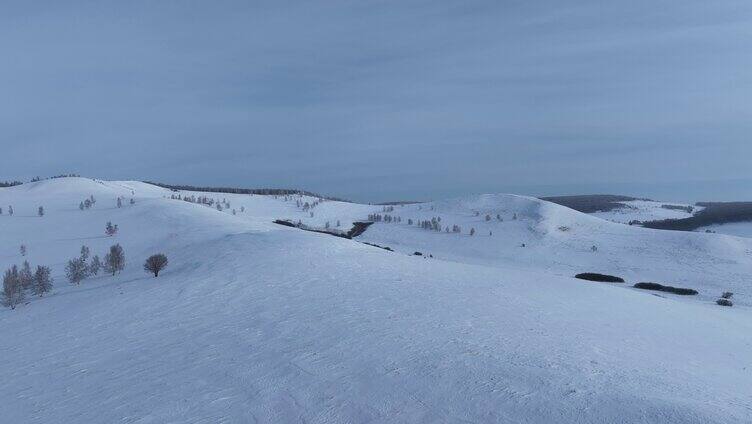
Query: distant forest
[[590, 203], [231, 190], [714, 213], [35, 179]]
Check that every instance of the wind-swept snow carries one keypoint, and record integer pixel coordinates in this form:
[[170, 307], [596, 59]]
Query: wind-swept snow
[[255, 322]]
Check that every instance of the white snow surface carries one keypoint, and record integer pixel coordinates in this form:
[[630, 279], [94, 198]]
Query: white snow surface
[[645, 210], [738, 229], [256, 322]]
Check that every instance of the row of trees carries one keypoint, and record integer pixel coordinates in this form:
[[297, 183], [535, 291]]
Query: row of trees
[[17, 282], [120, 201], [87, 203], [40, 211], [81, 268]]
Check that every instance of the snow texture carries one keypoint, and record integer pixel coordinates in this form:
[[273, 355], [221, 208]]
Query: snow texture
[[257, 322]]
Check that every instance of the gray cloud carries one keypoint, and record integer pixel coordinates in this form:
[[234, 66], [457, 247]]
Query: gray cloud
[[376, 100]]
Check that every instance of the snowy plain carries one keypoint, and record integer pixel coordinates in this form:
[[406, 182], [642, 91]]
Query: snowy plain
[[256, 322]]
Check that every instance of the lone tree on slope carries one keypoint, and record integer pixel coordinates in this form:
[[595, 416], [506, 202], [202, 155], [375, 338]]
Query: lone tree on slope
[[114, 261], [40, 211], [42, 282], [22, 249], [155, 263], [13, 293]]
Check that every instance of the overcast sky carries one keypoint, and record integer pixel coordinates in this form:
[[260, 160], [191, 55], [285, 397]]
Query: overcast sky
[[376, 100]]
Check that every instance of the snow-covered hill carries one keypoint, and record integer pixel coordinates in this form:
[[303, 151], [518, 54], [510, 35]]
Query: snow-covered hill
[[564, 242], [256, 322]]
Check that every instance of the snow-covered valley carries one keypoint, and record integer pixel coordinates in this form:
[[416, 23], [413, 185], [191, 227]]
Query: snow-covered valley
[[257, 322]]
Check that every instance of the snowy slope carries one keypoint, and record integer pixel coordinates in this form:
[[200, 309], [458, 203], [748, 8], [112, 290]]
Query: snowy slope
[[560, 240], [738, 229], [255, 322]]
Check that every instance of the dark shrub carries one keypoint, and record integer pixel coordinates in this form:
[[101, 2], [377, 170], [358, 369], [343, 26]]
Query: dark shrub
[[592, 276], [661, 287], [418, 254], [724, 302], [727, 295]]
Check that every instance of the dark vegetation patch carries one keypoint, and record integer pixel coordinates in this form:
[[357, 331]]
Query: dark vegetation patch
[[10, 183], [357, 229], [661, 287], [724, 302], [380, 247], [687, 209], [286, 223], [604, 278], [714, 213], [231, 190], [400, 202], [590, 203], [418, 254]]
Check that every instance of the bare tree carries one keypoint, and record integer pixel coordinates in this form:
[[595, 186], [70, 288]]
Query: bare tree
[[42, 282], [95, 265], [472, 231], [110, 229], [40, 211], [10, 210], [119, 202], [155, 263], [22, 249], [114, 261], [13, 293], [76, 270], [85, 253], [24, 276]]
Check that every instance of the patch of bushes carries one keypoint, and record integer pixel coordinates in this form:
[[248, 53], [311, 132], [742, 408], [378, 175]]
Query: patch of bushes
[[725, 299], [724, 302], [661, 287], [604, 278]]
